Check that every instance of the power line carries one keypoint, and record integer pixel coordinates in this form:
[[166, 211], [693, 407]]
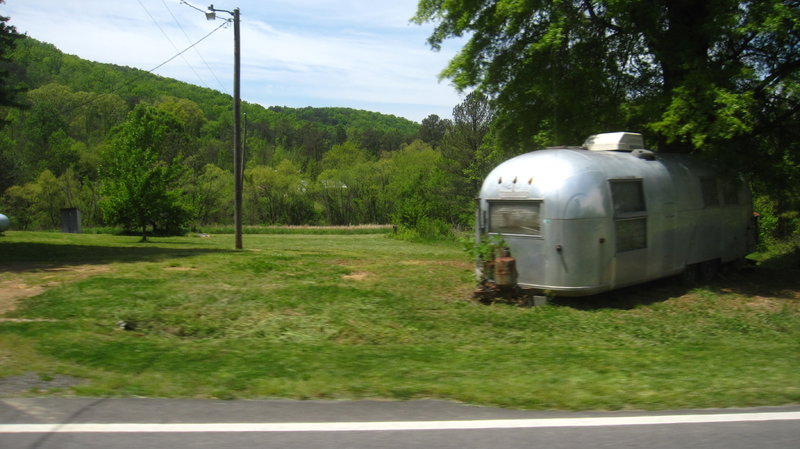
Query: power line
[[189, 47], [188, 39], [192, 6], [139, 76], [166, 36]]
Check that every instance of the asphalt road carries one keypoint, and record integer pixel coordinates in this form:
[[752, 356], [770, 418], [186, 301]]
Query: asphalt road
[[176, 424]]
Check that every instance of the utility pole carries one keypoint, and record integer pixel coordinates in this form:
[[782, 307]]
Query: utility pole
[[237, 138], [238, 163]]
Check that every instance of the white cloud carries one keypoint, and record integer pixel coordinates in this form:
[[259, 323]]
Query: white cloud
[[294, 52]]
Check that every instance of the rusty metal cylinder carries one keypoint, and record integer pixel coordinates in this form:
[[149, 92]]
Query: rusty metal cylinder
[[505, 270]]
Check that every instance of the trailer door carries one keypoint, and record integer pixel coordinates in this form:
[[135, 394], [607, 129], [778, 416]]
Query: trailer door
[[519, 223], [630, 231]]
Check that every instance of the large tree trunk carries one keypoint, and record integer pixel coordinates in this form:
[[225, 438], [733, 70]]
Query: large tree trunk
[[675, 31]]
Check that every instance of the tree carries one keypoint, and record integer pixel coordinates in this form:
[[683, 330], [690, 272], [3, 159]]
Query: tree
[[343, 156], [691, 74], [415, 186], [142, 188], [37, 204], [10, 163], [90, 201], [20, 203], [187, 111], [471, 122], [9, 87], [432, 129], [467, 155], [212, 192], [720, 78], [50, 199], [351, 189], [95, 114], [277, 195]]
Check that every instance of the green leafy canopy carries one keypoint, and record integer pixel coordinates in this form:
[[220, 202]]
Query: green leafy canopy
[[720, 78], [143, 174], [673, 68]]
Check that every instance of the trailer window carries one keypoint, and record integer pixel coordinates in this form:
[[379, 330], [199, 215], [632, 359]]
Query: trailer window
[[515, 217], [627, 196], [630, 214]]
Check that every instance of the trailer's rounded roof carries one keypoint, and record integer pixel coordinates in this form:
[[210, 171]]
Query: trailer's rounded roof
[[570, 161], [577, 179], [542, 171]]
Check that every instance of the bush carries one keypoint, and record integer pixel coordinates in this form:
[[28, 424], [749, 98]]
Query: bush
[[426, 229], [774, 226]]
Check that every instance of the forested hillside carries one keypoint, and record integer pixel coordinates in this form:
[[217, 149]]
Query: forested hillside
[[65, 148]]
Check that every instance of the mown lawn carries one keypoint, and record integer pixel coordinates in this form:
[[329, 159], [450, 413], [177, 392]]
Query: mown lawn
[[366, 316]]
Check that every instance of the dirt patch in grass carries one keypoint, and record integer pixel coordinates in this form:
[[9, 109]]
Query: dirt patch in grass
[[36, 279], [763, 303], [11, 292], [179, 268], [357, 276]]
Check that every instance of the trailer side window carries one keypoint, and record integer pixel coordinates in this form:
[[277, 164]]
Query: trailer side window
[[630, 214], [515, 217], [628, 196], [709, 190]]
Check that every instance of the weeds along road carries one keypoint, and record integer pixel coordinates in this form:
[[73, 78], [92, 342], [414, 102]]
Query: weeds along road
[[149, 423]]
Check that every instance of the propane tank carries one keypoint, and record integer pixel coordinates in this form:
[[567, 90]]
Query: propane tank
[[505, 270], [4, 223]]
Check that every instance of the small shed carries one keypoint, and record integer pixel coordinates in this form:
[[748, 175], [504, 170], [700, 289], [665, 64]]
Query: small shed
[[71, 220]]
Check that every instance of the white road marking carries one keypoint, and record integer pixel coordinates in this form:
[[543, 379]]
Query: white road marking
[[366, 426]]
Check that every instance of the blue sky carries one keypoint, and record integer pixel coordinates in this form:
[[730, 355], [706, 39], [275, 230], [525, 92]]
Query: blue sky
[[349, 53]]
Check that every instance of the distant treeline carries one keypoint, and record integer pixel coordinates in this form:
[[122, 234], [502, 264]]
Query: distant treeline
[[329, 166], [147, 153]]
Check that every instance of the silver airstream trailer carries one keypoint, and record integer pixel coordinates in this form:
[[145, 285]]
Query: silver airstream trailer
[[584, 220]]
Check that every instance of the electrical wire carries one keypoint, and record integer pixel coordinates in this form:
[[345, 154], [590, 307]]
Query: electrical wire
[[188, 39], [189, 47], [139, 76], [184, 2], [166, 36]]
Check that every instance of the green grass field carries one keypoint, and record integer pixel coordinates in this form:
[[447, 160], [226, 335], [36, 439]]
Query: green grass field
[[366, 316]]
